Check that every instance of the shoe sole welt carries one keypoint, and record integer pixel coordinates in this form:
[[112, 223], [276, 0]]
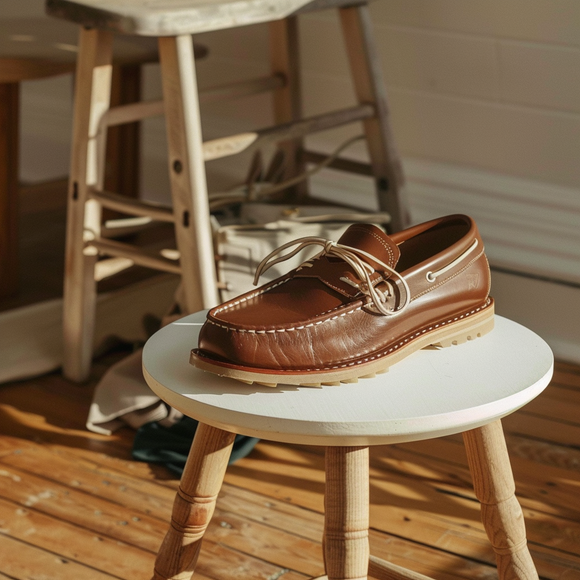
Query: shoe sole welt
[[452, 332]]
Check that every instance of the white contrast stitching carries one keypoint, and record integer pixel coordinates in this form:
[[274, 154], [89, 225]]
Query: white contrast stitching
[[380, 240], [375, 356], [289, 329], [450, 277], [249, 296], [418, 333], [395, 347]]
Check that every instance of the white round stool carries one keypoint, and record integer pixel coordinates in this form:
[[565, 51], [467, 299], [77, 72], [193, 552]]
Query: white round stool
[[465, 389]]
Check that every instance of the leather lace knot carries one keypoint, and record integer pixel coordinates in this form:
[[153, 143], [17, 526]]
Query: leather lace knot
[[356, 258]]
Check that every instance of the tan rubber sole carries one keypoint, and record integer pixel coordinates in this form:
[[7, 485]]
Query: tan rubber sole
[[448, 333]]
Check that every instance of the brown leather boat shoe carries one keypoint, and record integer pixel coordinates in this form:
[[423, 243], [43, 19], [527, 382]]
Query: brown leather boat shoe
[[356, 308]]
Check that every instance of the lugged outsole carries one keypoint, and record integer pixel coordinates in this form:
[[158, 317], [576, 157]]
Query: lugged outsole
[[446, 334]]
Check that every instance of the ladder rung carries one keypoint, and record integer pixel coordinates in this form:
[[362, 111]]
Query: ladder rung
[[340, 163], [120, 227], [242, 88], [133, 206], [133, 112], [138, 255], [111, 266], [225, 146], [234, 144], [323, 122]]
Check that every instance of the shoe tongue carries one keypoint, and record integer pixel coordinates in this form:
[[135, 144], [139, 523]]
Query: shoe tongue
[[373, 241]]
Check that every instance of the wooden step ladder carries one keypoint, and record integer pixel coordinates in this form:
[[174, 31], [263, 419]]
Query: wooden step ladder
[[174, 23]]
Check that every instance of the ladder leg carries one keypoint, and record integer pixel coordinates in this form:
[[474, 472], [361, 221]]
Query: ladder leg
[[187, 172], [92, 97], [501, 513], [370, 88]]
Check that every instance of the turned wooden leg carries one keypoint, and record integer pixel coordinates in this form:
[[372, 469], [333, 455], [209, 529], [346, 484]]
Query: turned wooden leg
[[501, 513], [9, 115], [346, 505], [195, 503]]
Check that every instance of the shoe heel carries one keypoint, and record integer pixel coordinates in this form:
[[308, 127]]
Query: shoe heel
[[460, 334]]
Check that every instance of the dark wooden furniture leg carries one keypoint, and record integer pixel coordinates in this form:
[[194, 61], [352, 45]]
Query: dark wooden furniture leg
[[287, 100], [9, 114], [123, 141]]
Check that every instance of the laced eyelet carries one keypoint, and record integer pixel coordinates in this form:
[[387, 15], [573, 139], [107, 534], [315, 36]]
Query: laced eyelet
[[430, 277]]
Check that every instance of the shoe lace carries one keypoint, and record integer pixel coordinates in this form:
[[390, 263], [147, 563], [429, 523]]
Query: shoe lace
[[354, 257]]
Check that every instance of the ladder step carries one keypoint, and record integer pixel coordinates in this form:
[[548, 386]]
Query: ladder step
[[140, 256], [120, 227], [133, 206], [111, 266]]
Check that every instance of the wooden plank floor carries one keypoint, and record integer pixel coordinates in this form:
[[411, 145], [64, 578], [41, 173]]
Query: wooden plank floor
[[73, 505]]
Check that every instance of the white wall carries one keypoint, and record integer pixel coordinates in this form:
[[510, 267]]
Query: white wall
[[485, 99]]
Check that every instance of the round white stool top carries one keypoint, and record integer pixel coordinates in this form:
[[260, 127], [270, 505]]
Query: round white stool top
[[433, 392]]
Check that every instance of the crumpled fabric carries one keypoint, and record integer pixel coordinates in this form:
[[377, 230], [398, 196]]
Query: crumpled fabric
[[122, 397]]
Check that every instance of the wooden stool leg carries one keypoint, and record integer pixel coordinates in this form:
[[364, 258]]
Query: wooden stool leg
[[9, 116], [285, 58], [187, 171], [346, 505], [92, 96], [194, 503], [501, 512], [370, 88]]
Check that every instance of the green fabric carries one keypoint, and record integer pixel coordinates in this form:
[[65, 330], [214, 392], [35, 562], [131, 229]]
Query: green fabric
[[170, 446]]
